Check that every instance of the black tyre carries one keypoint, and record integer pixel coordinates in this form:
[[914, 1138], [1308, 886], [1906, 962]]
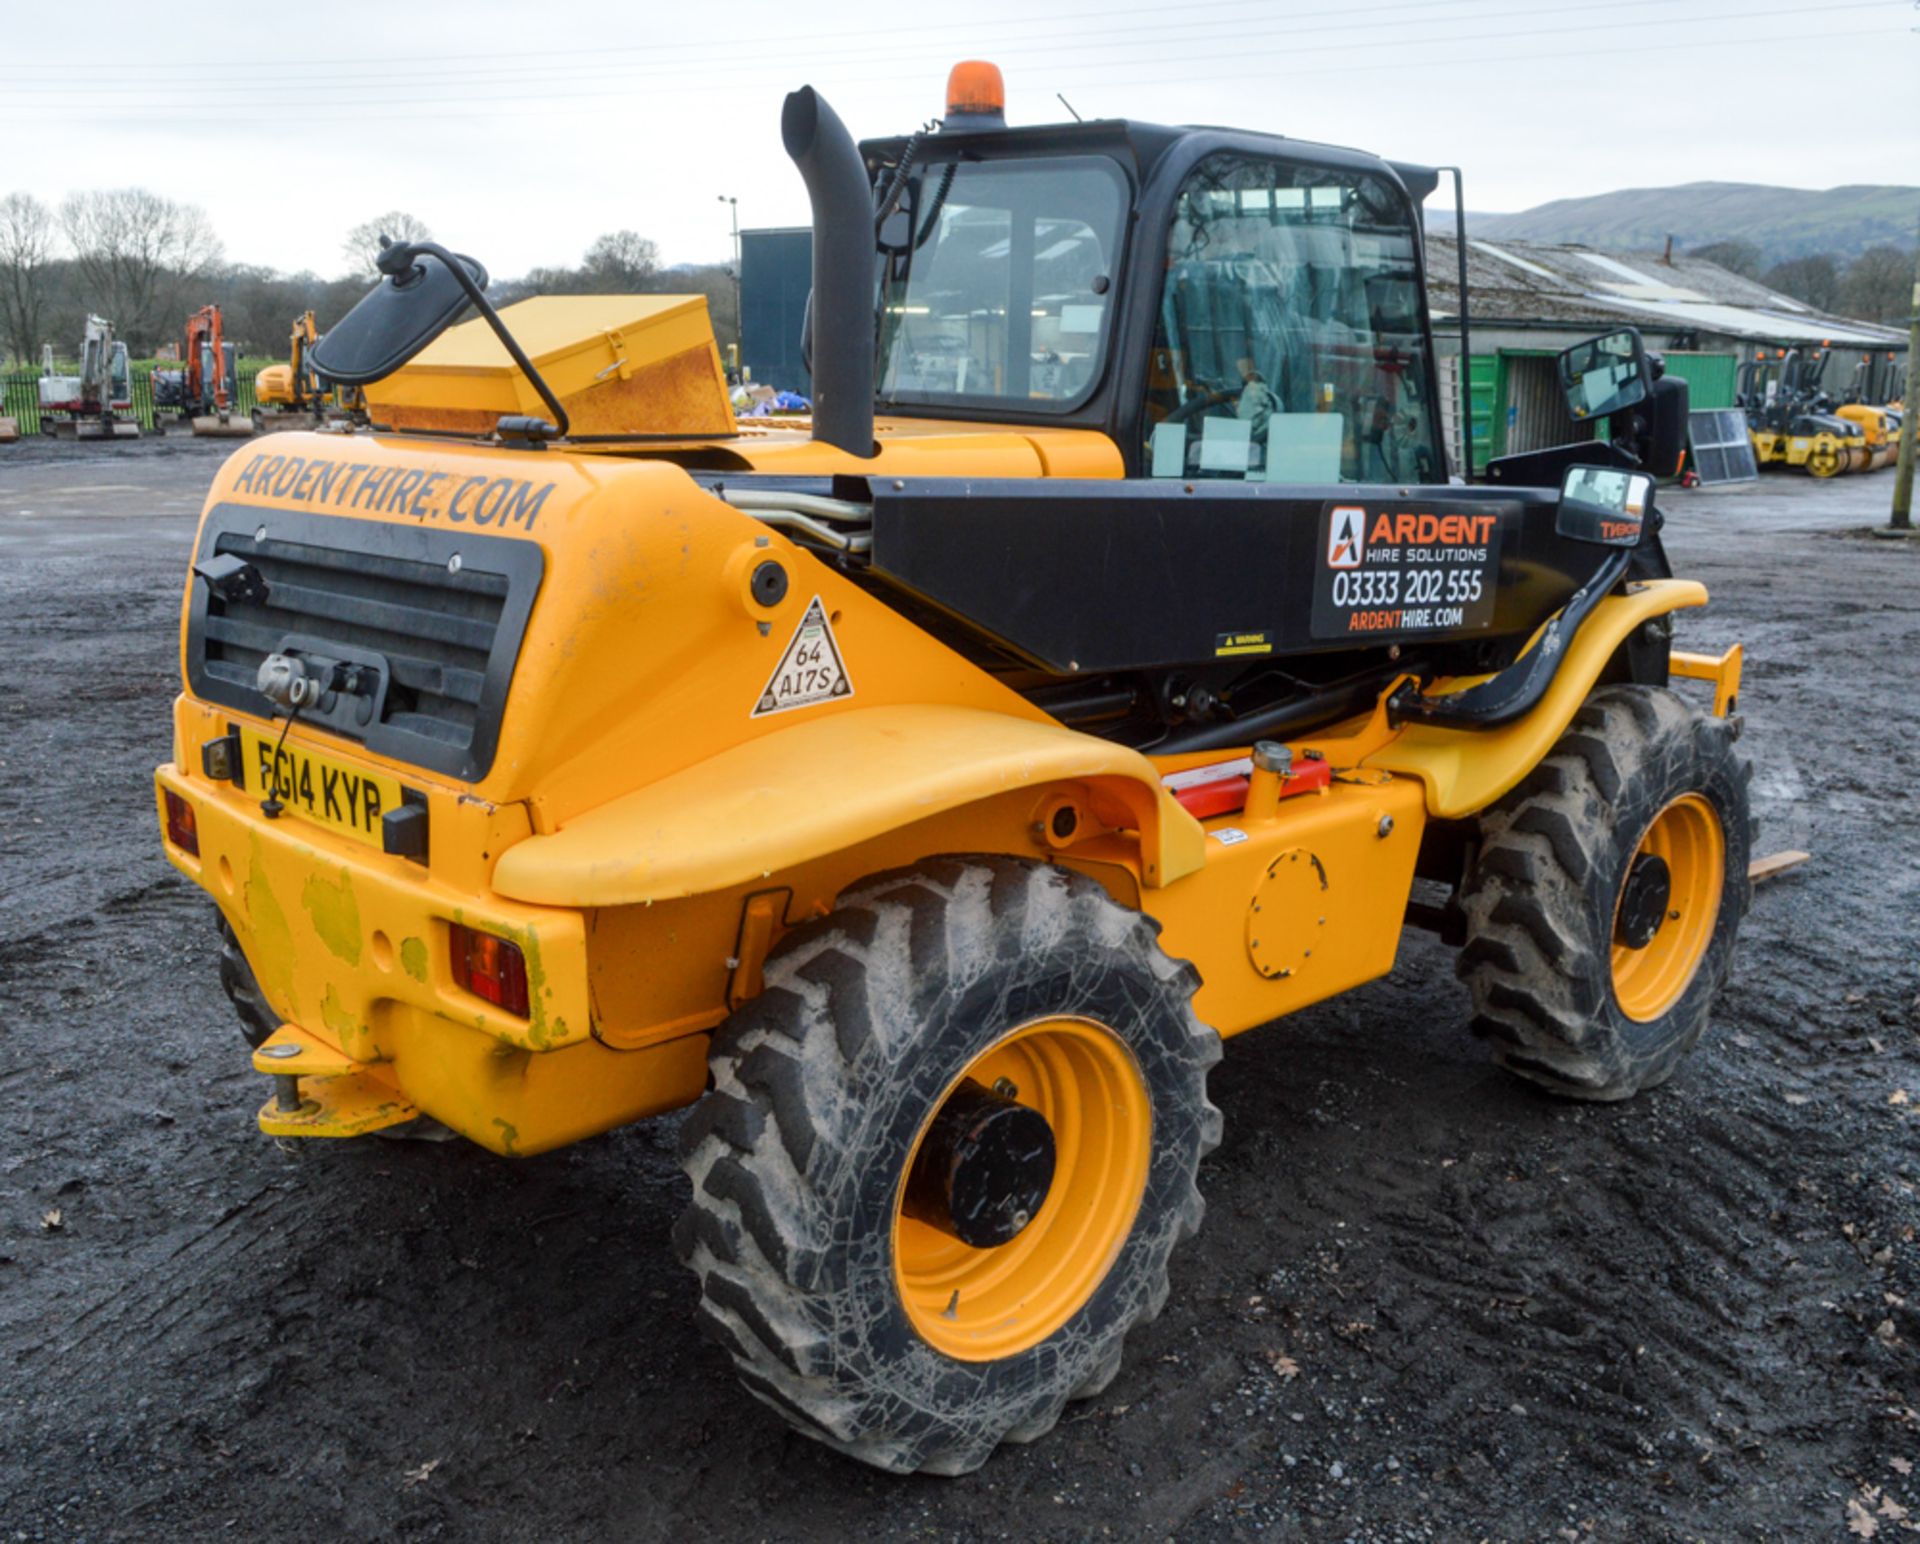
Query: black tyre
[[1605, 896], [1028, 991], [257, 1018]]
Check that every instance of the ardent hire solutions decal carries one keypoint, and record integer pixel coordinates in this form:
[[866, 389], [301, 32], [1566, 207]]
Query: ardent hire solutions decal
[[1397, 569]]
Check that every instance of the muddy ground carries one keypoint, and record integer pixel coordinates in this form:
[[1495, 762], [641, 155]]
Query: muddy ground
[[1427, 1303]]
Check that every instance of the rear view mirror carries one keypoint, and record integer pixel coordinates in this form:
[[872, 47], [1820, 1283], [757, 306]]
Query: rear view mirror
[[418, 298], [1605, 374], [1604, 504]]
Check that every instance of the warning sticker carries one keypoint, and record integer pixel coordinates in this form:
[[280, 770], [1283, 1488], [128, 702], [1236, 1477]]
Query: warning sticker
[[810, 670], [1227, 644], [1396, 569]]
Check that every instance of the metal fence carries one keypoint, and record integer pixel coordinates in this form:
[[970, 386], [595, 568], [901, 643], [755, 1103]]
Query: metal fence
[[20, 397]]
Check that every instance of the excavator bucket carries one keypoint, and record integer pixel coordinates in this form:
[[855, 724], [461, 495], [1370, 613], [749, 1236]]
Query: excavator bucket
[[279, 420], [94, 429], [223, 426]]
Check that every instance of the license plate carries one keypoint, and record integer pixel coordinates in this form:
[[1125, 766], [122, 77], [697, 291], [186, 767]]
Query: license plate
[[318, 787]]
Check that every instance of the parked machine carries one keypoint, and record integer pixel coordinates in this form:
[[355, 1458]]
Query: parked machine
[[88, 406], [1876, 388], [921, 791], [292, 396], [1792, 424], [203, 393]]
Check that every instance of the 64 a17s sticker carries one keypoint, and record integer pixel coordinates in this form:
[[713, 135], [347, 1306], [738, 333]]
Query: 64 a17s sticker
[[1393, 569], [810, 668]]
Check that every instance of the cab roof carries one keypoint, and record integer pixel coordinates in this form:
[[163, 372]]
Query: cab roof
[[1145, 146]]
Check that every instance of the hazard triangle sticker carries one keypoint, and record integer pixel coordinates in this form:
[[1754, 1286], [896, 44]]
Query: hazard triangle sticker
[[810, 670]]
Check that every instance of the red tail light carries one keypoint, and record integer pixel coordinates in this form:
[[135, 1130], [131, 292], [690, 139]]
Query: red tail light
[[182, 829], [490, 968]]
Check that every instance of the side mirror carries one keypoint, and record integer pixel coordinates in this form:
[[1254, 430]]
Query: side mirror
[[1605, 505], [1605, 374], [417, 299]]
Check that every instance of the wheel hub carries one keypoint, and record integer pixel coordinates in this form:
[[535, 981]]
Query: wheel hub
[[1644, 900], [984, 1168]]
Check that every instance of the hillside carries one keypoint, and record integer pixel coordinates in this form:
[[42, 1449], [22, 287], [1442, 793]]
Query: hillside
[[1783, 222]]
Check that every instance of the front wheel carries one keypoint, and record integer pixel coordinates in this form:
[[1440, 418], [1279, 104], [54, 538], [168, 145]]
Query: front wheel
[[946, 1156], [1605, 895]]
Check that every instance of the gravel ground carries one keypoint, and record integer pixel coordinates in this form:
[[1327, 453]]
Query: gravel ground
[[1427, 1304]]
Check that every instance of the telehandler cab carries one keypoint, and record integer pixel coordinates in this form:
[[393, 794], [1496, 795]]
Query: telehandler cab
[[922, 794]]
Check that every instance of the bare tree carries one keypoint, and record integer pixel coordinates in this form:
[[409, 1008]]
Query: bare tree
[[621, 261], [26, 250], [139, 255], [1878, 286], [1816, 280], [362, 245]]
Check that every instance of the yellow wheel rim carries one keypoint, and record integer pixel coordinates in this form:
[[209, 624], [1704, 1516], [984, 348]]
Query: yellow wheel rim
[[1687, 835], [978, 1305]]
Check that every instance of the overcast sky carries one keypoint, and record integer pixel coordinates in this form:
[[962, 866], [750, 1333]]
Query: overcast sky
[[520, 129]]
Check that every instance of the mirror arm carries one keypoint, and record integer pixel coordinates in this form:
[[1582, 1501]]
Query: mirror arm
[[1629, 436], [395, 259]]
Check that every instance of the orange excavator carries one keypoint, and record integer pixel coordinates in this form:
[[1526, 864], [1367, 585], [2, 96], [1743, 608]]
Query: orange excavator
[[202, 392]]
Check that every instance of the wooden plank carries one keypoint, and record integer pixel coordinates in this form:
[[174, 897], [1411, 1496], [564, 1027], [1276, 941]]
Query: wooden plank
[[1775, 863]]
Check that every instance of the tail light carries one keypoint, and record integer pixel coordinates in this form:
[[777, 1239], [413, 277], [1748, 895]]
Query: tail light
[[490, 968], [182, 829]]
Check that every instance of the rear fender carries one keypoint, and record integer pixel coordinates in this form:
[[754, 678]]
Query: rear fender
[[1466, 770], [762, 807]]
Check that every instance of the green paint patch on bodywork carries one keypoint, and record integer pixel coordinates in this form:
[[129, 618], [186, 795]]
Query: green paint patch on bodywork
[[335, 913], [333, 1013], [270, 939], [413, 958], [539, 989], [509, 1135]]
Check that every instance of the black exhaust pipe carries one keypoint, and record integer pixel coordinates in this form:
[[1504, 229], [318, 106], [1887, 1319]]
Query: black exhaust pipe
[[845, 261]]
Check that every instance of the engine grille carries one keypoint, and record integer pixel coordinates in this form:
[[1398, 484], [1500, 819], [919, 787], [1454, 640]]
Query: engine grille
[[440, 616]]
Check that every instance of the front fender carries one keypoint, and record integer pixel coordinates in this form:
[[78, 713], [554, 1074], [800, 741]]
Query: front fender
[[821, 787], [1465, 770]]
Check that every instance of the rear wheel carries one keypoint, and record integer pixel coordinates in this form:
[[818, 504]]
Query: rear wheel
[[257, 1017], [1605, 896], [947, 1154]]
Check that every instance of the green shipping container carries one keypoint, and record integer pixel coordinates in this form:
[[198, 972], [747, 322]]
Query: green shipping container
[[1480, 373], [1710, 378]]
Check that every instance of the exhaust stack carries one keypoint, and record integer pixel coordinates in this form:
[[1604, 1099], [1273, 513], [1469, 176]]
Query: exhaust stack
[[844, 264]]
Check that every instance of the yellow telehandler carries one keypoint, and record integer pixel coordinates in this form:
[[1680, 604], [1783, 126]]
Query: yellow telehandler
[[921, 792]]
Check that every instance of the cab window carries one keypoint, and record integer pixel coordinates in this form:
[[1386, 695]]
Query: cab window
[[1289, 346], [997, 282]]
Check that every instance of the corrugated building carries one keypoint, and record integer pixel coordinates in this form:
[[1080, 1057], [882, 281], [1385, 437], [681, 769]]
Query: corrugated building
[[1528, 301]]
